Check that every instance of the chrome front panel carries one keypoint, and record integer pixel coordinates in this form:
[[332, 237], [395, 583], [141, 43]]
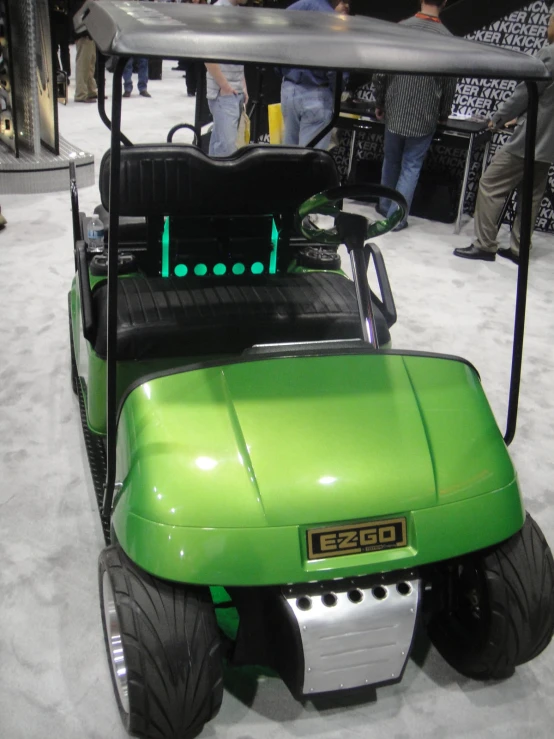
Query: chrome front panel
[[355, 632]]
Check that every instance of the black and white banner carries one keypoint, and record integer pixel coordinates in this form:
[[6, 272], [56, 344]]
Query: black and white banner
[[523, 30]]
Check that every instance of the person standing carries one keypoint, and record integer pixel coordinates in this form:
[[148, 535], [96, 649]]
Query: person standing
[[307, 97], [191, 68], [411, 107], [227, 95], [59, 22], [142, 70], [86, 90], [505, 172]]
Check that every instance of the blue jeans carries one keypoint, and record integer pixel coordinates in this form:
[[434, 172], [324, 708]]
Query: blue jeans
[[142, 64], [226, 110], [306, 110], [404, 156]]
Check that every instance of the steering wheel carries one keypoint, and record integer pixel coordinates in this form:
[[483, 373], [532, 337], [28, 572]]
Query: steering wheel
[[329, 203]]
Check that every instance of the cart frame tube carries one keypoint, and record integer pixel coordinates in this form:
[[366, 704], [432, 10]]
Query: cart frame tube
[[113, 241], [101, 98], [524, 247]]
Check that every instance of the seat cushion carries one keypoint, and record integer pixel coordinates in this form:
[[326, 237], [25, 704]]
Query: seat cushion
[[160, 317]]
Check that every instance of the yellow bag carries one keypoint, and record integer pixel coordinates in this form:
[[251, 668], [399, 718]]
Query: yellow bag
[[243, 131], [276, 124]]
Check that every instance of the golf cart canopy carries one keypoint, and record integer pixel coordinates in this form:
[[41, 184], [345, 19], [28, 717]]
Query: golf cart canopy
[[302, 39]]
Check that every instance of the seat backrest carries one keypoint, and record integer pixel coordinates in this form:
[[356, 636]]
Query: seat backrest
[[180, 180], [209, 216]]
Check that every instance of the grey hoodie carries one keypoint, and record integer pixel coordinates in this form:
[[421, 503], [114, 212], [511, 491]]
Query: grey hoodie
[[516, 107]]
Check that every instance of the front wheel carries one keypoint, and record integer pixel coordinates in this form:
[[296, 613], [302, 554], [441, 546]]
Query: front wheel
[[498, 606], [163, 648]]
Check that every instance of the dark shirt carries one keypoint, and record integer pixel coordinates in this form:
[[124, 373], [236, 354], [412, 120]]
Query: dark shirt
[[309, 77], [414, 104]]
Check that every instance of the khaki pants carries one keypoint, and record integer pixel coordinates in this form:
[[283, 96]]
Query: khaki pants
[[85, 84], [503, 174]]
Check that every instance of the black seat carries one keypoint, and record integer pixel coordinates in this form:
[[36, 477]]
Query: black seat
[[186, 316], [180, 180], [160, 317]]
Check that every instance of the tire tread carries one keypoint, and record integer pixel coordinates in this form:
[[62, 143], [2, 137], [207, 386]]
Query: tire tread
[[519, 577], [172, 651]]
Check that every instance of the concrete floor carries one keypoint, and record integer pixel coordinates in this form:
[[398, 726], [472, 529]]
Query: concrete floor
[[54, 679]]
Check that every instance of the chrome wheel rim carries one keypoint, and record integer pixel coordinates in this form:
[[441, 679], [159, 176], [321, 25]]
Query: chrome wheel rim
[[115, 643]]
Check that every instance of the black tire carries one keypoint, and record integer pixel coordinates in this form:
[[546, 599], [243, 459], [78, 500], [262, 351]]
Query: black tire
[[499, 612], [171, 647]]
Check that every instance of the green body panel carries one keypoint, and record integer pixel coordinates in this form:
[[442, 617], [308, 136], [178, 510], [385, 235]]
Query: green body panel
[[277, 555], [224, 469]]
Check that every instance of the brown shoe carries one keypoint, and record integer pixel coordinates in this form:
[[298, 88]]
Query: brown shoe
[[127, 94], [85, 100], [145, 94]]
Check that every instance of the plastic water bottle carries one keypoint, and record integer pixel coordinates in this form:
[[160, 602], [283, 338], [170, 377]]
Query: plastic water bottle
[[95, 235]]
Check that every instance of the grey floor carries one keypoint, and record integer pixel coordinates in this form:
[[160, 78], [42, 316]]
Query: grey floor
[[54, 680]]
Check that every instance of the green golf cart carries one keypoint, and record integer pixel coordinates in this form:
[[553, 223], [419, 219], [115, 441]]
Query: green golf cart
[[276, 484]]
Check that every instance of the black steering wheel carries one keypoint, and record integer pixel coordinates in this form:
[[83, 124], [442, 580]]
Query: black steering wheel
[[329, 203]]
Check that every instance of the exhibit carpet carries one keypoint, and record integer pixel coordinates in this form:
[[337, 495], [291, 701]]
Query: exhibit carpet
[[54, 679]]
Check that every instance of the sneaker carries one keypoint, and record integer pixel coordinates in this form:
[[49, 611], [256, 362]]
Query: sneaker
[[85, 100], [145, 94], [127, 94]]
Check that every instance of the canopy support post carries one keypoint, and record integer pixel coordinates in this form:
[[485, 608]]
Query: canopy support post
[[527, 226], [113, 243]]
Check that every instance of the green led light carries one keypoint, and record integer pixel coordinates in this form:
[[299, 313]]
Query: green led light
[[200, 270], [220, 269], [165, 249], [181, 270], [257, 268], [239, 268], [275, 244]]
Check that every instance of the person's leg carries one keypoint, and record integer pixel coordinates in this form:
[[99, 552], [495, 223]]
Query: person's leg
[[499, 179], [415, 149], [190, 77], [65, 58], [92, 89], [142, 74], [63, 39], [540, 180], [128, 77], [81, 70], [315, 107], [226, 110], [290, 117], [392, 164]]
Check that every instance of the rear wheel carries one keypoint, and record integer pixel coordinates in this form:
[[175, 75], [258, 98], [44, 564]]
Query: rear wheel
[[163, 648], [499, 608]]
